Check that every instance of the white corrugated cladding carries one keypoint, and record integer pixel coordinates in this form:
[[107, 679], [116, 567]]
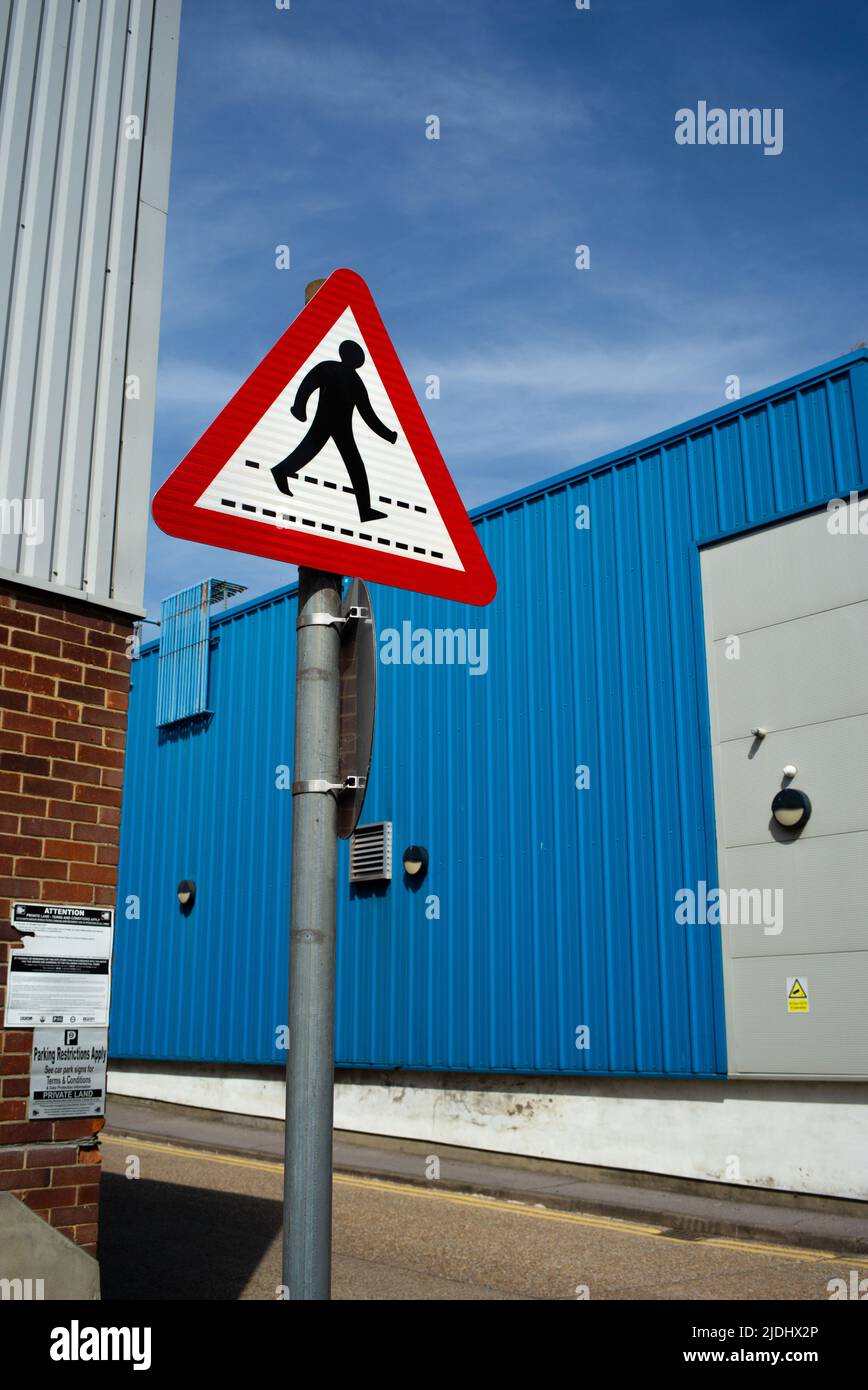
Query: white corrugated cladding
[[86, 110]]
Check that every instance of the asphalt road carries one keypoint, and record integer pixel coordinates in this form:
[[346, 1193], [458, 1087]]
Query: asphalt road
[[194, 1225]]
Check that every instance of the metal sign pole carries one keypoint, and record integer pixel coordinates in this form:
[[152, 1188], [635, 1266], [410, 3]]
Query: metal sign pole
[[307, 1202], [310, 1058]]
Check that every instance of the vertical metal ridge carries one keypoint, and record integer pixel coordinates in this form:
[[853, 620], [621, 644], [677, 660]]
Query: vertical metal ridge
[[16, 102], [25, 324], [97, 546], [50, 393]]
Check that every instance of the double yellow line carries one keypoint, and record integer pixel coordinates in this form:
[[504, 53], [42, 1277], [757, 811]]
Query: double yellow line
[[570, 1218]]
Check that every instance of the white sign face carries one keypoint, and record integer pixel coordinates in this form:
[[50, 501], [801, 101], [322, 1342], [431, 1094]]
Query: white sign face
[[343, 479], [67, 1073], [61, 976]]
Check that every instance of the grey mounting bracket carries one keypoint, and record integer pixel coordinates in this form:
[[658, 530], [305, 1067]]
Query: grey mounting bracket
[[320, 620], [322, 784], [354, 614]]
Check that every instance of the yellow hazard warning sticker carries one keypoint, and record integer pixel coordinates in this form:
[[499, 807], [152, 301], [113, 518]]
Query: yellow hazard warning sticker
[[797, 995]]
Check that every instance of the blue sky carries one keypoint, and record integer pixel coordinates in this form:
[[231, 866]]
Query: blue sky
[[306, 127]]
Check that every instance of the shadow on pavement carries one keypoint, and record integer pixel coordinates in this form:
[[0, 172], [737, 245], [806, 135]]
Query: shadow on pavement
[[166, 1241]]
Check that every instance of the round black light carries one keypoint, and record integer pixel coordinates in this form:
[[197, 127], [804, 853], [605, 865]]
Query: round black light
[[415, 861], [186, 891], [791, 808]]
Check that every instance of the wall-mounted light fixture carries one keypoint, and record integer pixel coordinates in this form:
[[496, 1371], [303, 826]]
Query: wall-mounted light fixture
[[415, 861], [791, 808], [186, 891]]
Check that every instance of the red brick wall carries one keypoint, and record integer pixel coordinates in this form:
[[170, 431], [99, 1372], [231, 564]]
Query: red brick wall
[[64, 682]]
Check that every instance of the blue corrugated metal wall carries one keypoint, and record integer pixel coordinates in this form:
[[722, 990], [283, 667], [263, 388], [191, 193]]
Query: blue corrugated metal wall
[[556, 904]]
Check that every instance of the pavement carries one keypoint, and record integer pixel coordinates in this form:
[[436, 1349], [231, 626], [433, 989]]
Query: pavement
[[191, 1209], [682, 1208]]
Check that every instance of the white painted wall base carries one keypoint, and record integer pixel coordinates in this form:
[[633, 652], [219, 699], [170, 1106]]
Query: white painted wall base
[[794, 1135]]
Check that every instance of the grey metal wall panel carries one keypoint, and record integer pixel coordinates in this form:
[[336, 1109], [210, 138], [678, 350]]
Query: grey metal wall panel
[[832, 757], [97, 541], [83, 207], [161, 105], [781, 678], [831, 1041], [131, 518], [60, 286], [754, 596], [19, 66], [827, 889], [5, 22], [25, 326], [800, 672], [78, 428]]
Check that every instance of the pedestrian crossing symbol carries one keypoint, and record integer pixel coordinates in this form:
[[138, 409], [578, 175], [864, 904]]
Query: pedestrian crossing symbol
[[797, 996], [324, 458]]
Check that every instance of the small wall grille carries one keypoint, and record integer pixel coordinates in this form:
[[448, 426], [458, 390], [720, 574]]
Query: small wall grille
[[371, 853]]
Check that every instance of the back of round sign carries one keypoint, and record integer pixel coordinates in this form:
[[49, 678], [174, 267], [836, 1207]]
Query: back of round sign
[[358, 702]]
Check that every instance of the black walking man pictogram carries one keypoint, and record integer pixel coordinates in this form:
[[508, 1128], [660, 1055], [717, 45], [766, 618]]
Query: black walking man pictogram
[[341, 391]]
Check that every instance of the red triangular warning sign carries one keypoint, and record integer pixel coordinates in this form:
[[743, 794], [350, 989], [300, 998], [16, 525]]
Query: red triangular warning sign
[[324, 458]]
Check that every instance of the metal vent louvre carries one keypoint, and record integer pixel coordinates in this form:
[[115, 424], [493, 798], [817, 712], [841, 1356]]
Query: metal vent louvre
[[185, 631], [371, 852]]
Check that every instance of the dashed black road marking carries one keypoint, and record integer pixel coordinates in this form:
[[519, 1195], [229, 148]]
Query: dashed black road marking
[[323, 482], [327, 526]]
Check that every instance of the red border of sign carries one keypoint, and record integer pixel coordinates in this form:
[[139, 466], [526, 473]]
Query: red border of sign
[[174, 506]]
